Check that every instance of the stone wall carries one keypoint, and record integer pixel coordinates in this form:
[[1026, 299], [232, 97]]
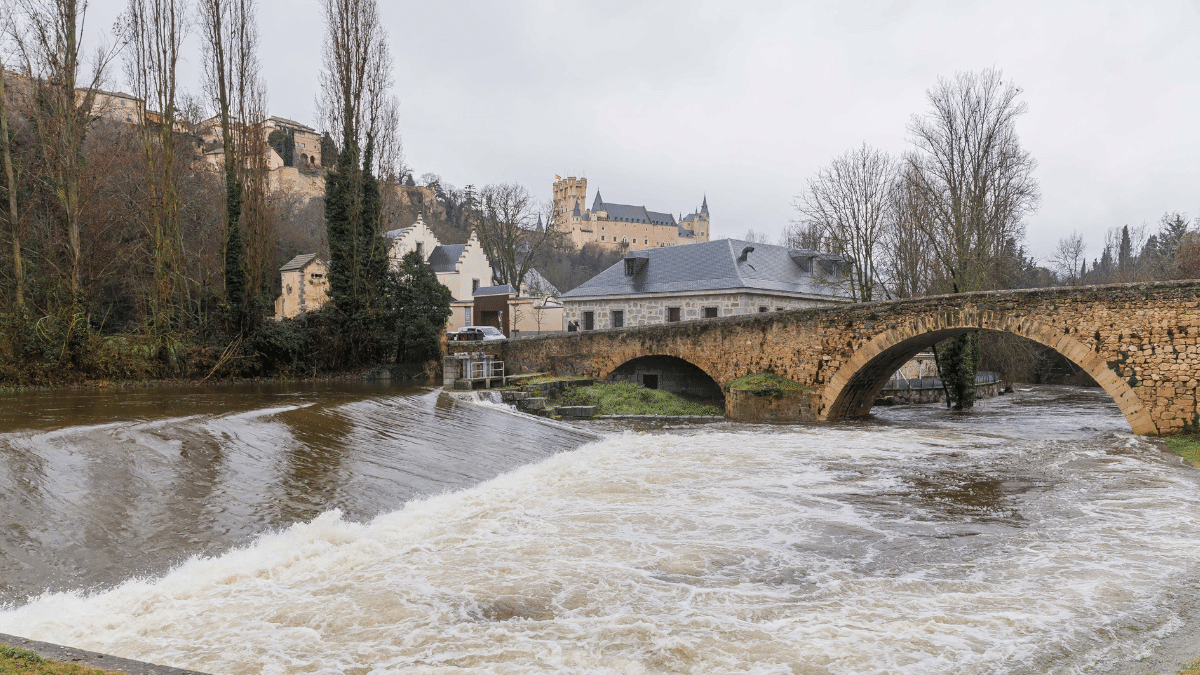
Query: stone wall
[[1138, 341], [647, 310]]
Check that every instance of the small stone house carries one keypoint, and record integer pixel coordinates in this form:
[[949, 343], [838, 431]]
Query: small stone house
[[305, 281], [705, 280]]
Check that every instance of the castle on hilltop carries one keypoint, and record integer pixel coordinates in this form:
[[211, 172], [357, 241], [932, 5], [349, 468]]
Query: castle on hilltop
[[615, 225]]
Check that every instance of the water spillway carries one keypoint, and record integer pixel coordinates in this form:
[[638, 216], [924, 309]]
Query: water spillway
[[1035, 535]]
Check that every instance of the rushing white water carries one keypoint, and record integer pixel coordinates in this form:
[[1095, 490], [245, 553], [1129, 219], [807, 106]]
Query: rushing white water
[[992, 547]]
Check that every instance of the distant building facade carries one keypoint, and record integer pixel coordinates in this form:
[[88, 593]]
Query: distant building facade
[[307, 152], [305, 281], [706, 280], [620, 225]]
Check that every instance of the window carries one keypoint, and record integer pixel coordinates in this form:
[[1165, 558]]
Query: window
[[474, 286], [421, 249], [589, 320], [762, 309], [710, 312], [466, 316], [618, 319], [650, 381], [778, 309], [672, 314], [645, 241], [601, 237]]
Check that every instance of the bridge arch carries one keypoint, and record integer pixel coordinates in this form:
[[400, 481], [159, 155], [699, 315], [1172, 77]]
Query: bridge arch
[[852, 390], [670, 372]]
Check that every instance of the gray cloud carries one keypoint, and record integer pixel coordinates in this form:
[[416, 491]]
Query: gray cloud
[[661, 102]]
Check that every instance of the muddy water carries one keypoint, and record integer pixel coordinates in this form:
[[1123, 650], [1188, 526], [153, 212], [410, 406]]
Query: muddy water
[[99, 486], [1034, 535]]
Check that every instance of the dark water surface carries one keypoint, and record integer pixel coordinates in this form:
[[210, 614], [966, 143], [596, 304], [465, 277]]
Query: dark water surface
[[98, 486]]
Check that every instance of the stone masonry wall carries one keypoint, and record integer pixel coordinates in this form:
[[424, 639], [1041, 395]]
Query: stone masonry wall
[[646, 311], [1138, 341]]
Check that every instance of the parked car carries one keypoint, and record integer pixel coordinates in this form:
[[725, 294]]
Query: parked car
[[475, 334]]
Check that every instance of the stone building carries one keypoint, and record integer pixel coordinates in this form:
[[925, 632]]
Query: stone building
[[616, 225], [307, 152], [705, 281], [305, 286]]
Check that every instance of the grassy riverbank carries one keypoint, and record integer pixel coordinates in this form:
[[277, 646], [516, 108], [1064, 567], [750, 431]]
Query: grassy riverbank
[[1186, 446], [25, 662], [627, 398]]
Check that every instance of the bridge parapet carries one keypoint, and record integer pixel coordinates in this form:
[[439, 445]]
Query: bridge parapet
[[1138, 341]]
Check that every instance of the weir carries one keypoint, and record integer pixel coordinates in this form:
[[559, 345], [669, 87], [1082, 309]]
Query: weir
[[1137, 341]]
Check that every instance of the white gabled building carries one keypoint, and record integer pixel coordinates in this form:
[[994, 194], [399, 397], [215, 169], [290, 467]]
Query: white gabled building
[[462, 268]]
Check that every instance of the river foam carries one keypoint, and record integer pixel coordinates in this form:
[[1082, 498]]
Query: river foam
[[812, 550]]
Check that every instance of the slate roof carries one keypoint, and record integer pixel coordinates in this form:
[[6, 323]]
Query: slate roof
[[445, 258], [632, 214], [661, 218], [396, 234], [711, 266], [283, 121], [503, 289], [298, 263], [534, 282]]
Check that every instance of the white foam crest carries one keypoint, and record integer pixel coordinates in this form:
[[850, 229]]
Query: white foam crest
[[699, 553]]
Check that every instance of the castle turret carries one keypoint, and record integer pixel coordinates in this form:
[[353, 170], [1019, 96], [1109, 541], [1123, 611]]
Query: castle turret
[[704, 207]]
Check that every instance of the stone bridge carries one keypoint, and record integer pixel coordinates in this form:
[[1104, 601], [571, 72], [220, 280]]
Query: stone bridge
[[1137, 341]]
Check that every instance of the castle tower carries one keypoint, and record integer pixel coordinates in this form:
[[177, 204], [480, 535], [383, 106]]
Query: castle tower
[[567, 193]]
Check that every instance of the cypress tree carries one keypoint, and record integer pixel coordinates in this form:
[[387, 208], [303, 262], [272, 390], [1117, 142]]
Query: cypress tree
[[372, 253], [1125, 253], [235, 253], [341, 222]]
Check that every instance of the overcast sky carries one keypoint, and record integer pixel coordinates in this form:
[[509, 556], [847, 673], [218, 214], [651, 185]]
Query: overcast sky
[[659, 103]]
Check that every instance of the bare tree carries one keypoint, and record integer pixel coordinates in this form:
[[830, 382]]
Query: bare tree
[[229, 35], [47, 37], [356, 73], [10, 188], [1068, 257], [154, 31], [803, 235], [756, 237], [847, 202], [191, 111], [509, 232], [908, 264], [970, 169]]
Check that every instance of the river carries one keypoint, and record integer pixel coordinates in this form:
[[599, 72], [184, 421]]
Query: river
[[354, 528]]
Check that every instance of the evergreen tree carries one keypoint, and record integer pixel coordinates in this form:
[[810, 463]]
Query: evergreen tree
[[957, 361], [421, 306], [341, 222], [1125, 254], [235, 254], [372, 254]]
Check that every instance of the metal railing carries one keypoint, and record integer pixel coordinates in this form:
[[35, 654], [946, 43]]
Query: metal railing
[[901, 383]]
